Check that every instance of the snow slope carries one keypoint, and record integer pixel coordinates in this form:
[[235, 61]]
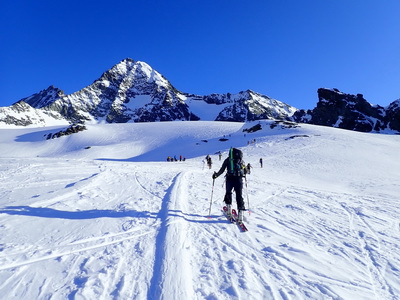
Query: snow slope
[[116, 221]]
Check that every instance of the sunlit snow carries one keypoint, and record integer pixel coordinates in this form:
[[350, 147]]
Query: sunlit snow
[[101, 214]]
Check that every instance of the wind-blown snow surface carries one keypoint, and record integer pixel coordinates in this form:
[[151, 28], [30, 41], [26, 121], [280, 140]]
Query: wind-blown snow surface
[[116, 221]]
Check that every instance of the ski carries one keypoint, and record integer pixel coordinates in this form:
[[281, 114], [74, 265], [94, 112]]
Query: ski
[[240, 224], [230, 218]]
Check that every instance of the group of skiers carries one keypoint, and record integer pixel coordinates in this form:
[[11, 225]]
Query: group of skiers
[[181, 158], [253, 141]]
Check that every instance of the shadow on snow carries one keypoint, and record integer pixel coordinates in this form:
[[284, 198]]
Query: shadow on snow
[[44, 212]]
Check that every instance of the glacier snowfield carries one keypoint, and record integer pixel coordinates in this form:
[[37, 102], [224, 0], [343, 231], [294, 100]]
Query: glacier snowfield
[[101, 214]]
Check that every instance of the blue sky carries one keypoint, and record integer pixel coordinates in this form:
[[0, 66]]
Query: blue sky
[[285, 49]]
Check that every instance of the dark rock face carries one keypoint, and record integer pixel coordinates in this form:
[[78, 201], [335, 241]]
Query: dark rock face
[[252, 129], [44, 98], [393, 115], [70, 130], [353, 112]]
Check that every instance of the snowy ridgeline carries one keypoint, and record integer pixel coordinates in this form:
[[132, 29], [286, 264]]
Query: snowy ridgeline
[[132, 91], [101, 214]]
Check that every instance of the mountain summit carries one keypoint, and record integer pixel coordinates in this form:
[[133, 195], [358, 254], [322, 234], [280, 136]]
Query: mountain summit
[[132, 91]]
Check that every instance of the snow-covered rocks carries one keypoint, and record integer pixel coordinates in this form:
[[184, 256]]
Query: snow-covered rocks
[[132, 91]]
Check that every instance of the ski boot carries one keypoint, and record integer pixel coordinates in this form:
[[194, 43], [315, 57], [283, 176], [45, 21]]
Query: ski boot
[[240, 216], [229, 210]]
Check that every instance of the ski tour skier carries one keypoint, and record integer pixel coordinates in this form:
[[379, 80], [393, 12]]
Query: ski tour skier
[[209, 161], [236, 170], [248, 167]]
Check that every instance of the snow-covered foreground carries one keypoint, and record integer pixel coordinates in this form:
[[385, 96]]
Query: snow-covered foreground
[[116, 221]]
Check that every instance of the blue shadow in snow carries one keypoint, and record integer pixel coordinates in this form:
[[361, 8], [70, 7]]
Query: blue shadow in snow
[[45, 212], [36, 136]]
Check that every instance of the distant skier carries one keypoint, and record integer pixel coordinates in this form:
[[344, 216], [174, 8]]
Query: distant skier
[[261, 162], [236, 170], [248, 167], [209, 162]]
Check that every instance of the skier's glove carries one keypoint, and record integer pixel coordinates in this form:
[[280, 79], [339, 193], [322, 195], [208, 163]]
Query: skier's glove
[[214, 175]]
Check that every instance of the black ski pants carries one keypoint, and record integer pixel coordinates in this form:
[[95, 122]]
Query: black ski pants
[[234, 183]]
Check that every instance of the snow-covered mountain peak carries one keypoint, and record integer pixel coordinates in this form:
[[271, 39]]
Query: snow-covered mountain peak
[[137, 72], [123, 67], [152, 75], [44, 97]]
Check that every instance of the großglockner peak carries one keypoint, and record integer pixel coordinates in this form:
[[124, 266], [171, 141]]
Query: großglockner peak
[[131, 91]]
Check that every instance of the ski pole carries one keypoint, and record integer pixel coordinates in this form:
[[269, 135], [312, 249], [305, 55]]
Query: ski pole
[[212, 192], [247, 193]]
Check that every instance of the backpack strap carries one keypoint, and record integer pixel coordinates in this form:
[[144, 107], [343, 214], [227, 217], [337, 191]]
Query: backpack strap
[[232, 168]]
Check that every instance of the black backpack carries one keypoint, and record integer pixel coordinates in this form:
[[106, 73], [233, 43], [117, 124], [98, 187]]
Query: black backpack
[[235, 165]]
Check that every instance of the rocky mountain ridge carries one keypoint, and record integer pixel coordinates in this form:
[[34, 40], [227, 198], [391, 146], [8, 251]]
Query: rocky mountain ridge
[[131, 91], [134, 92], [353, 112]]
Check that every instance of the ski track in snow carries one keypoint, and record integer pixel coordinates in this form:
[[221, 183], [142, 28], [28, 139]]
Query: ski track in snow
[[112, 229], [370, 247], [170, 279]]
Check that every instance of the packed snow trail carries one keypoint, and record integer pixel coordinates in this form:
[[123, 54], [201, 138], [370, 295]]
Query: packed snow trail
[[172, 274]]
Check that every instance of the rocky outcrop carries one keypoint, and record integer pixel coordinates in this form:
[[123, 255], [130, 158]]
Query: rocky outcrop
[[70, 130], [392, 118], [353, 112]]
